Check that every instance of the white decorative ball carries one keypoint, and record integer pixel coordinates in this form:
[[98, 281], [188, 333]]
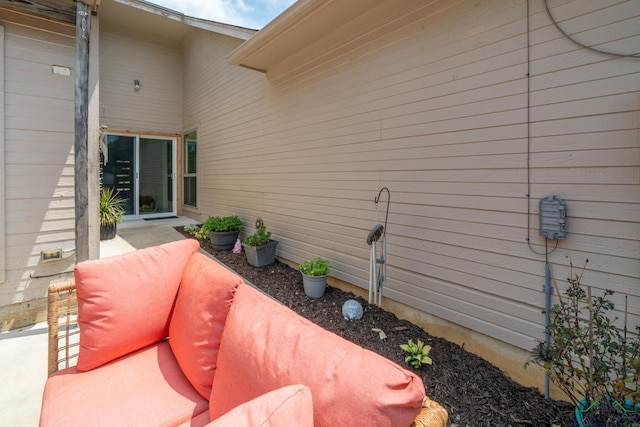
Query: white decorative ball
[[352, 310]]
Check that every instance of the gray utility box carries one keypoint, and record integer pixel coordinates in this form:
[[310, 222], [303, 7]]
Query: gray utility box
[[553, 218]]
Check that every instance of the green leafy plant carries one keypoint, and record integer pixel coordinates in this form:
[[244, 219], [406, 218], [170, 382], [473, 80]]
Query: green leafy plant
[[417, 353], [197, 232], [315, 267], [222, 223], [259, 237], [587, 356], [111, 207], [191, 229]]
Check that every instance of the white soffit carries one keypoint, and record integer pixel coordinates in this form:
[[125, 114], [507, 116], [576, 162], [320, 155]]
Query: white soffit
[[147, 17], [297, 27]]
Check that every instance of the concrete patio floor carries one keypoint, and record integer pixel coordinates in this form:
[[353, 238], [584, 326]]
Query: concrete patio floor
[[23, 352]]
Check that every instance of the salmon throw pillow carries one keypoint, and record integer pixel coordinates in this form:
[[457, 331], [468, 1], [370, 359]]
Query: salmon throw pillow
[[204, 298], [125, 302], [289, 406], [266, 346]]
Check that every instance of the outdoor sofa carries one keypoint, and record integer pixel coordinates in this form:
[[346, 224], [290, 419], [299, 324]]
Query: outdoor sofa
[[170, 337]]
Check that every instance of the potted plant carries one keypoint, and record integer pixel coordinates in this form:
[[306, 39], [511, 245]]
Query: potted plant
[[111, 212], [259, 248], [223, 231], [594, 362], [314, 276]]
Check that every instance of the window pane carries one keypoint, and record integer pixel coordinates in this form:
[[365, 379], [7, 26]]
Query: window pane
[[119, 172], [190, 156], [190, 190]]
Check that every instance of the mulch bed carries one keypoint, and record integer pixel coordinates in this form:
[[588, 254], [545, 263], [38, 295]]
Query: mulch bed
[[474, 392]]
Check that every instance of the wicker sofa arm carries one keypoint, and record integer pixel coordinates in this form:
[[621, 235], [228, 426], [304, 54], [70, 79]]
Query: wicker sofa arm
[[432, 415], [64, 334]]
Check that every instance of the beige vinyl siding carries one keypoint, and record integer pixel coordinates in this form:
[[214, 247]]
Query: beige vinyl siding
[[156, 106], [38, 164], [210, 90], [433, 105]]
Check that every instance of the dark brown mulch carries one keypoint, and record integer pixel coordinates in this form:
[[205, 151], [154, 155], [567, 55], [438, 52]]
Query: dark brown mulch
[[474, 392]]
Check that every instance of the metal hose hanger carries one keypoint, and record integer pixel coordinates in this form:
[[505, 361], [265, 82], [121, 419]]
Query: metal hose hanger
[[378, 267], [379, 230]]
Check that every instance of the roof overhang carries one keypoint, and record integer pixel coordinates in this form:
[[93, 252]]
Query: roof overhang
[[297, 27], [167, 22], [60, 10], [129, 15]]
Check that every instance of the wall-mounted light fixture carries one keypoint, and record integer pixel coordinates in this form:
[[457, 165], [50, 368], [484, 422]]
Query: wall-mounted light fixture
[[136, 84]]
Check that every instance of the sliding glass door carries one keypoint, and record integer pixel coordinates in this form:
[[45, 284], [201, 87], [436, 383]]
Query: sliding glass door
[[142, 170], [156, 176]]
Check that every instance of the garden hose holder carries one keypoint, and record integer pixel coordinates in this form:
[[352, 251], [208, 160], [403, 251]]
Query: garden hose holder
[[377, 239]]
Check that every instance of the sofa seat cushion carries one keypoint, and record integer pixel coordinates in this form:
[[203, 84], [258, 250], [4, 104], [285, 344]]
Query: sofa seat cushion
[[266, 346], [143, 388], [204, 298], [125, 302]]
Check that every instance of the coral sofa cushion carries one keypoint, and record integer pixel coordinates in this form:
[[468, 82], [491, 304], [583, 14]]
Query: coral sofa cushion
[[289, 406], [266, 346], [145, 388], [125, 302], [204, 298]]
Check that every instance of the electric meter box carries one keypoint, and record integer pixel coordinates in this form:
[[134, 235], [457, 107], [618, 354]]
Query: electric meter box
[[553, 218]]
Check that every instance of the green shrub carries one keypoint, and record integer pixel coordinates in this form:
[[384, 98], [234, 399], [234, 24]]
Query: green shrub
[[588, 356], [197, 232], [417, 353], [315, 267], [258, 238], [221, 223]]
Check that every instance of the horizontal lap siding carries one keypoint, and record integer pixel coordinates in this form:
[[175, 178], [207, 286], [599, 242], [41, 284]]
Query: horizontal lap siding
[[39, 173], [586, 142], [433, 105], [156, 106], [213, 90]]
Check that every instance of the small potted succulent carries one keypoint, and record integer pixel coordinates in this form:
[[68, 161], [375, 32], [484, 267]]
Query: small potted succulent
[[259, 248], [223, 231], [314, 276], [111, 212]]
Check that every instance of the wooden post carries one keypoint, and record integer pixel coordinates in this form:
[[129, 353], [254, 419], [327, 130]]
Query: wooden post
[[93, 145], [83, 30]]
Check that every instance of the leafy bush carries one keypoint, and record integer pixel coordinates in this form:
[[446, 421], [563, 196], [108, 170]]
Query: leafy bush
[[315, 267], [417, 353], [259, 237], [191, 229], [222, 223], [588, 356], [197, 232]]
